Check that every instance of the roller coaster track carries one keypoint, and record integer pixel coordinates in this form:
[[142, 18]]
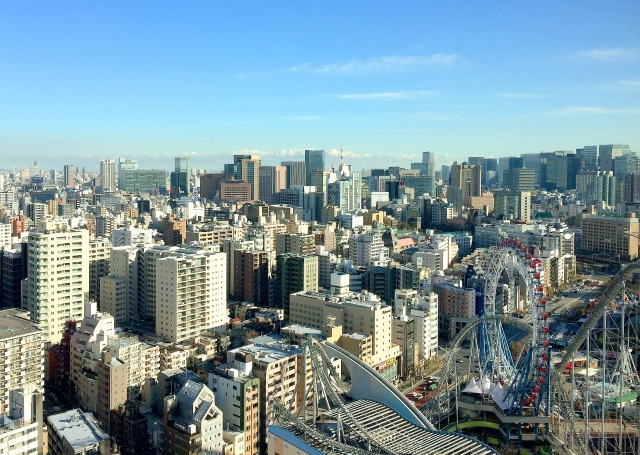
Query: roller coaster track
[[609, 295]]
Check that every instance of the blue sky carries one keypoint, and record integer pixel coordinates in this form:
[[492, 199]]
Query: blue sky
[[83, 81]]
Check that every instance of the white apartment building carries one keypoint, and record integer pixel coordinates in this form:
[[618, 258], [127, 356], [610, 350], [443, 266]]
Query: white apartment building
[[365, 249], [58, 281], [130, 236], [191, 293], [87, 344], [76, 433], [5, 236], [424, 310]]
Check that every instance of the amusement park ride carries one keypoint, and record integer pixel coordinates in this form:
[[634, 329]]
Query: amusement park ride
[[533, 397]]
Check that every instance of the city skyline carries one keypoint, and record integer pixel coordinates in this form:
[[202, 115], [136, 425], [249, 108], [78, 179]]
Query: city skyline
[[91, 83]]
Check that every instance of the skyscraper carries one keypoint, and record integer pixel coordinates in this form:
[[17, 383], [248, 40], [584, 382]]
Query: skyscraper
[[181, 178], [468, 178], [247, 169], [589, 154], [314, 161], [125, 165], [430, 165], [108, 175], [296, 173], [272, 180], [69, 178], [608, 154]]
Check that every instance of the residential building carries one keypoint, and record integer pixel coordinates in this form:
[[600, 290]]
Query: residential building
[[295, 273], [68, 176], [174, 231], [237, 394], [112, 387], [192, 422], [129, 429], [108, 175], [99, 254], [457, 307], [190, 293], [251, 276], [76, 433], [295, 243], [58, 277], [131, 236], [365, 249]]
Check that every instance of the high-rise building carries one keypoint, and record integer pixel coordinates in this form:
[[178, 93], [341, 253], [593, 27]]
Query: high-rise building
[[125, 164], [314, 161], [112, 386], [519, 179], [608, 153], [251, 276], [625, 164], [14, 270], [290, 242], [236, 191], [247, 169], [60, 256], [191, 293], [468, 178], [446, 173], [272, 180], [589, 153], [129, 429], [596, 186], [181, 177], [365, 249], [210, 185], [295, 273], [192, 422], [296, 172], [68, 176], [108, 175], [99, 253], [174, 231], [428, 159], [143, 181], [512, 205]]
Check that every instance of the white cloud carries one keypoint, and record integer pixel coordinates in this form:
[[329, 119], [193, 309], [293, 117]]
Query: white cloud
[[591, 110], [305, 117], [606, 54], [630, 82], [391, 95], [385, 63]]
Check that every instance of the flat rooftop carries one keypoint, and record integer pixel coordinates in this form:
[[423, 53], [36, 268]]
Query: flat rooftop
[[79, 429], [15, 323]]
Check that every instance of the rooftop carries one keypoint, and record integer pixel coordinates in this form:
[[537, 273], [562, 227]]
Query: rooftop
[[268, 354], [78, 428], [15, 323]]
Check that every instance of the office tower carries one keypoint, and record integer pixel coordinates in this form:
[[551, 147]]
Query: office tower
[[238, 397], [589, 153], [251, 277], [192, 422], [512, 205], [421, 185], [631, 189], [108, 175], [296, 172], [446, 173], [210, 185], [247, 169], [235, 191], [428, 159], [60, 256], [14, 270], [608, 232], [76, 432], [520, 179], [125, 164], [625, 164], [319, 179], [468, 178], [191, 293], [68, 179], [609, 152], [181, 177], [314, 161], [143, 181], [295, 273], [346, 191], [272, 180]]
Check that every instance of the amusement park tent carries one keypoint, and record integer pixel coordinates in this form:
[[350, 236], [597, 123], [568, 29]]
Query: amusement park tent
[[472, 387]]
